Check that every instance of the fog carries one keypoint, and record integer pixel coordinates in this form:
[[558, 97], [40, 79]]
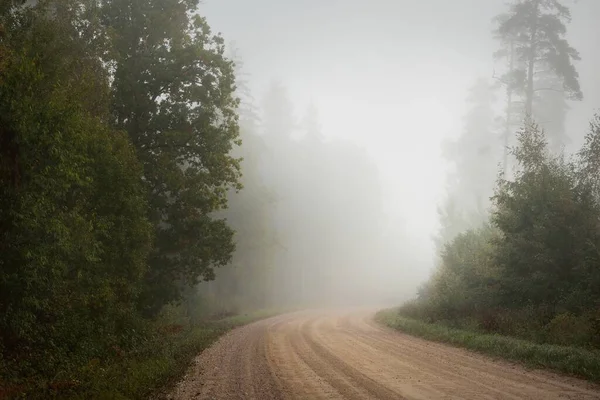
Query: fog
[[356, 161]]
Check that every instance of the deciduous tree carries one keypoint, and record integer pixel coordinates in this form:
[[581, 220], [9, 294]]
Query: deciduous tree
[[173, 93]]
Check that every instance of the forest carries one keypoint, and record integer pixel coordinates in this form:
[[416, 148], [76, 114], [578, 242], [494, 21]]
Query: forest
[[518, 251], [149, 202], [136, 167]]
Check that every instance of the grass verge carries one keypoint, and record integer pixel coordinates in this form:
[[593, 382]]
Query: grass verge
[[146, 373], [152, 376], [571, 360]]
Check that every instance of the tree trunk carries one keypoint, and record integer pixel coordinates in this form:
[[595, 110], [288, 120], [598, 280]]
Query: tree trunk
[[529, 93], [531, 61], [509, 91]]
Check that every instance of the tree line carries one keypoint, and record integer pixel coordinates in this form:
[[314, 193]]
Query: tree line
[[297, 196], [518, 249], [117, 124], [143, 190]]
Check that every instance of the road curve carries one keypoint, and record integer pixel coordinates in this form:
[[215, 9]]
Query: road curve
[[346, 355]]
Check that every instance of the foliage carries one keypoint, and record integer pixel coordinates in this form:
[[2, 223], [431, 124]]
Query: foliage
[[173, 93], [466, 277], [246, 282], [570, 360], [538, 27], [533, 273], [529, 269], [542, 71], [473, 159], [151, 368], [115, 154], [549, 233], [73, 210]]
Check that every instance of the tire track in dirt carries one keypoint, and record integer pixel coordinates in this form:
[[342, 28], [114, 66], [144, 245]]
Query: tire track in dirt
[[344, 354], [446, 376], [295, 369], [356, 383]]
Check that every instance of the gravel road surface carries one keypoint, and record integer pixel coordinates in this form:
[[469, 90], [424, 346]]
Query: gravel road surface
[[344, 354]]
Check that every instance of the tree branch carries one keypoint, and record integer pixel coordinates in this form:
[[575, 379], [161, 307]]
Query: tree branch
[[549, 89]]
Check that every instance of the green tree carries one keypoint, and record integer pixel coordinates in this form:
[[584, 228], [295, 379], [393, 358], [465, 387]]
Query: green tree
[[8, 5], [534, 272], [73, 226], [465, 282], [173, 93], [588, 190], [551, 109], [246, 282], [545, 225]]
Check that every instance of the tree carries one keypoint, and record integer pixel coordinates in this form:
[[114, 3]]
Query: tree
[[465, 281], [545, 226], [246, 282], [311, 124], [73, 216], [551, 108], [532, 34], [453, 220], [533, 273], [278, 114], [10, 5], [588, 191], [474, 157], [319, 186], [173, 93]]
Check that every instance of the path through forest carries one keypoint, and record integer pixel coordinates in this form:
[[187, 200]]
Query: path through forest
[[344, 354]]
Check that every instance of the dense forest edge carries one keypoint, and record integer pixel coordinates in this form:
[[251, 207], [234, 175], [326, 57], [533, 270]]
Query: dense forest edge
[[116, 153], [525, 284], [146, 199], [518, 272], [149, 204]]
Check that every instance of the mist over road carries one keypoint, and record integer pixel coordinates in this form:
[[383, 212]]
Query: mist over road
[[344, 354]]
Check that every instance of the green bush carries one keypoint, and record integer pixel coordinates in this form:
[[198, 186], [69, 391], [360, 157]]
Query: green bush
[[156, 362], [569, 329], [533, 272]]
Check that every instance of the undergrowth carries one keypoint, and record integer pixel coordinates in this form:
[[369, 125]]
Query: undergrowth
[[567, 359], [145, 372]]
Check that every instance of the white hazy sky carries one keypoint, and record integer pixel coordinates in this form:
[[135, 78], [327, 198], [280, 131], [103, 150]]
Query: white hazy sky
[[390, 75]]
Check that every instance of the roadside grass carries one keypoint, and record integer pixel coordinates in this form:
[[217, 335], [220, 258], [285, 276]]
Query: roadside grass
[[570, 360], [150, 371], [148, 376]]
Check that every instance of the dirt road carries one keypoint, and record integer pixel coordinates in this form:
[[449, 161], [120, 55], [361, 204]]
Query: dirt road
[[345, 355]]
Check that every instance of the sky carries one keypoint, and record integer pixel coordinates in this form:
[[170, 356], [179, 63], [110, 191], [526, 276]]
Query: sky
[[390, 75]]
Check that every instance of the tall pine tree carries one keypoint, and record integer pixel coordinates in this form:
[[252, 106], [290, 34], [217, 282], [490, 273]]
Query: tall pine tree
[[541, 69]]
